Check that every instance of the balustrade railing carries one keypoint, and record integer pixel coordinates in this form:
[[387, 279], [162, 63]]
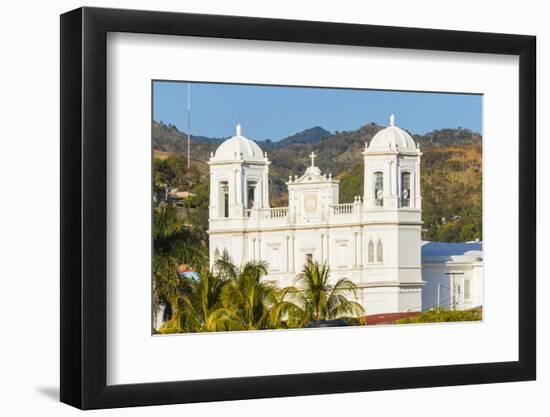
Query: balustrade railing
[[282, 213], [273, 213], [343, 209]]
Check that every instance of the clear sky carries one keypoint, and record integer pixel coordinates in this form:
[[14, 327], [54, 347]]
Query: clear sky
[[267, 112]]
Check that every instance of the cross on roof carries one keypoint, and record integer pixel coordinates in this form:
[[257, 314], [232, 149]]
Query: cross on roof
[[312, 156]]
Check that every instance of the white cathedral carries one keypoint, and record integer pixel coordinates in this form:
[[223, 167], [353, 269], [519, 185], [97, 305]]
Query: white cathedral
[[374, 241]]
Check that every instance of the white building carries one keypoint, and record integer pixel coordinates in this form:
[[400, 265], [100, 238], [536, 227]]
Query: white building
[[453, 273], [374, 241]]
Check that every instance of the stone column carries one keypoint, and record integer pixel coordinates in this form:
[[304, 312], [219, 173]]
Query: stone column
[[355, 248], [328, 248], [398, 173], [396, 178], [287, 255], [232, 189], [293, 253], [239, 193], [265, 201], [322, 248], [361, 248], [388, 188], [254, 248]]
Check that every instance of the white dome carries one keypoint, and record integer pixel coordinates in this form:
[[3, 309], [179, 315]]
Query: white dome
[[239, 147], [390, 137]]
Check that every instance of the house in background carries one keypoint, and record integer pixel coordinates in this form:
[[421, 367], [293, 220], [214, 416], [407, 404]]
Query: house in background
[[453, 273]]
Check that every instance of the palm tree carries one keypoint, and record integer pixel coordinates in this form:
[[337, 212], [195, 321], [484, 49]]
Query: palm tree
[[247, 298], [166, 285], [226, 298], [313, 298], [173, 238], [199, 308], [174, 243], [225, 267]]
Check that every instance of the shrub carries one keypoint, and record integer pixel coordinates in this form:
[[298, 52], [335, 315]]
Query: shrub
[[440, 315]]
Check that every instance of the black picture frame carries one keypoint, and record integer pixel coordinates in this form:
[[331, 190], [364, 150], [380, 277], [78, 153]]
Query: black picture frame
[[84, 207]]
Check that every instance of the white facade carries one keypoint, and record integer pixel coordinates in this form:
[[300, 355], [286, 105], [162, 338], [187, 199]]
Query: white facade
[[453, 273], [374, 241]]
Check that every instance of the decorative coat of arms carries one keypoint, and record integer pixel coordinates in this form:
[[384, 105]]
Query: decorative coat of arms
[[310, 203]]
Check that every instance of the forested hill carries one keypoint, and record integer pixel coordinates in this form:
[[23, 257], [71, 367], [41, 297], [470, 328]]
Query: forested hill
[[451, 170], [168, 138], [311, 135]]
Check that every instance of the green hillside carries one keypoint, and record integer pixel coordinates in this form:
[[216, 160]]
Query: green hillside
[[451, 171]]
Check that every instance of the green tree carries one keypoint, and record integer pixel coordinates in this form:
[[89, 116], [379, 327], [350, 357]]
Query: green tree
[[226, 298], [313, 298], [247, 299], [173, 243], [199, 307], [175, 239], [351, 183]]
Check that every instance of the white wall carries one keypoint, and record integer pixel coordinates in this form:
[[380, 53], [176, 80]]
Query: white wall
[[434, 275], [30, 266], [437, 274]]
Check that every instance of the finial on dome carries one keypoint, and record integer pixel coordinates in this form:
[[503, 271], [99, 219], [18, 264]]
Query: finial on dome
[[238, 130], [392, 119]]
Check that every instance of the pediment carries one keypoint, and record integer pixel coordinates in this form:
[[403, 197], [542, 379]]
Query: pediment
[[306, 178], [312, 174]]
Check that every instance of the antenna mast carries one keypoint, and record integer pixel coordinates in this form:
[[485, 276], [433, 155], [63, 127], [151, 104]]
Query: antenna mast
[[188, 125]]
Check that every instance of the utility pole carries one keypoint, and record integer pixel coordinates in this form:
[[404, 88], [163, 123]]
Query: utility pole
[[188, 125], [454, 287]]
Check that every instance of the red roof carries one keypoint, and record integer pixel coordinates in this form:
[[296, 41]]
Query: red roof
[[184, 268], [389, 318]]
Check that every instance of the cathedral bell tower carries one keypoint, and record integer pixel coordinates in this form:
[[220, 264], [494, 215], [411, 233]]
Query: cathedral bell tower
[[392, 170], [238, 178], [238, 184], [393, 212]]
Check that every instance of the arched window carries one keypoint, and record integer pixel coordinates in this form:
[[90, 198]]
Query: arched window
[[405, 189], [371, 252], [378, 189], [379, 251], [250, 194], [223, 199]]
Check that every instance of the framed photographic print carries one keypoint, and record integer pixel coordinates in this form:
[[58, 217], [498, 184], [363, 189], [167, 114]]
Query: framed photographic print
[[257, 208]]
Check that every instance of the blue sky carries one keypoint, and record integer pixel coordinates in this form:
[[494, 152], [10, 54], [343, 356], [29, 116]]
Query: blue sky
[[267, 112]]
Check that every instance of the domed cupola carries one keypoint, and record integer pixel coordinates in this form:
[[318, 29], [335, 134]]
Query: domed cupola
[[392, 170], [239, 179], [392, 138], [238, 147]]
